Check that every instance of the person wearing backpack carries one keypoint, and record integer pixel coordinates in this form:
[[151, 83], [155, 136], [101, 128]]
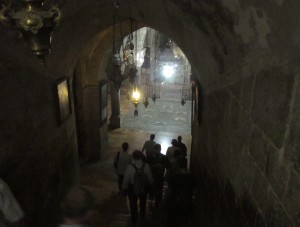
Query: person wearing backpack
[[137, 181], [121, 161]]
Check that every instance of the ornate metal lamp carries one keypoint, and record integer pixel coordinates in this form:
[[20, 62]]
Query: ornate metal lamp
[[36, 22], [135, 98]]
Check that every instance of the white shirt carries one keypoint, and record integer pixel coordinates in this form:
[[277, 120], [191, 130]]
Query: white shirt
[[9, 206], [130, 172], [124, 160]]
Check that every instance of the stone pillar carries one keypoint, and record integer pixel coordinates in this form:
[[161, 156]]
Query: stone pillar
[[114, 120]]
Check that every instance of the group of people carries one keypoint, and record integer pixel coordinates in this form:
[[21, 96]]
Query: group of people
[[142, 175]]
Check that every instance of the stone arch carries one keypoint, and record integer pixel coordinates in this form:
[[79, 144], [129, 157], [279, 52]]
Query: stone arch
[[91, 68], [245, 53]]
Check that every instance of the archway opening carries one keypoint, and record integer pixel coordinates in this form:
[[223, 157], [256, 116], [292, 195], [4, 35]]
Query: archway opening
[[164, 79]]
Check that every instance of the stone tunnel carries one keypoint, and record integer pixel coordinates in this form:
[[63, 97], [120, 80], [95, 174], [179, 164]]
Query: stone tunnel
[[245, 134]]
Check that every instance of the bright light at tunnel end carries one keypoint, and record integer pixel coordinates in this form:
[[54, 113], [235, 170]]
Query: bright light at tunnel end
[[168, 71]]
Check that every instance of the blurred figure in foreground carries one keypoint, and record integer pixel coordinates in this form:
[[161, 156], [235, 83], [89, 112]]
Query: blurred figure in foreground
[[180, 196], [77, 208], [11, 213]]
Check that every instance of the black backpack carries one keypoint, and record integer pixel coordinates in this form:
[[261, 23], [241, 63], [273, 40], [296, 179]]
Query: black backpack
[[141, 184]]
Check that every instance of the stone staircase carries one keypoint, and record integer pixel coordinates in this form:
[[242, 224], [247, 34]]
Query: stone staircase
[[118, 215], [112, 208]]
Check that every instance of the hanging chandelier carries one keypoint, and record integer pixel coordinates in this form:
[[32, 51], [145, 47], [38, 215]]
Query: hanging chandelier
[[35, 21], [117, 77], [148, 73], [124, 60]]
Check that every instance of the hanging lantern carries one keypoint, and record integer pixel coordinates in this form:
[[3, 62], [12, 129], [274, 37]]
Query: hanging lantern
[[117, 77], [154, 97], [182, 102], [135, 99], [35, 22], [146, 103]]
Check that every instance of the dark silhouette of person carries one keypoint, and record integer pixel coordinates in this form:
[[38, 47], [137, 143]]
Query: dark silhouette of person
[[172, 167], [170, 150], [182, 146], [149, 145], [158, 163], [129, 183], [180, 195], [77, 207]]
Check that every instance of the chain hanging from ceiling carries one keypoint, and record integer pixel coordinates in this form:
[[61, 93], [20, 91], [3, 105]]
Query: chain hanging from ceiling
[[124, 66], [149, 87], [186, 91], [155, 87], [129, 55], [117, 77]]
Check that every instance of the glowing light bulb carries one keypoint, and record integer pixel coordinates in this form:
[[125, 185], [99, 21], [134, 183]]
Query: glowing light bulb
[[136, 95]]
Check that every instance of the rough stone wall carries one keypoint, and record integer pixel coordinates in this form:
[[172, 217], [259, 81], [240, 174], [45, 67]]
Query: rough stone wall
[[249, 135], [38, 156], [249, 138]]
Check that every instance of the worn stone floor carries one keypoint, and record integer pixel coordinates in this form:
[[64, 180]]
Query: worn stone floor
[[166, 114]]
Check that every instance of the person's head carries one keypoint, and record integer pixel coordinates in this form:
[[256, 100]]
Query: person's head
[[137, 155], [77, 205], [157, 148], [174, 142], [182, 163], [125, 146], [179, 138], [152, 137]]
